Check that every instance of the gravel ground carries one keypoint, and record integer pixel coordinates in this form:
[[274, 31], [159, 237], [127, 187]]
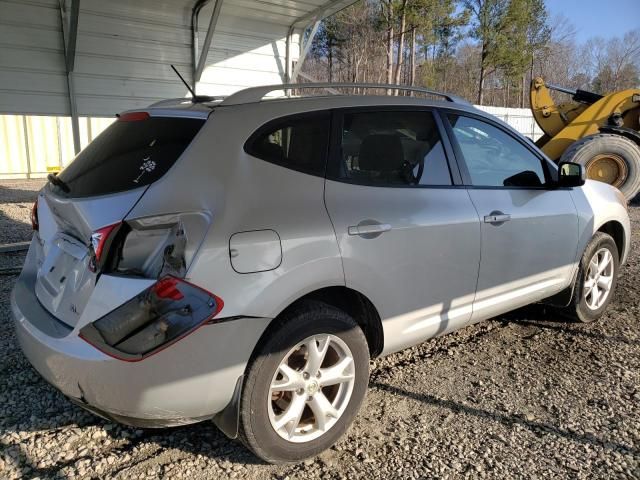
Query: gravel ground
[[527, 395]]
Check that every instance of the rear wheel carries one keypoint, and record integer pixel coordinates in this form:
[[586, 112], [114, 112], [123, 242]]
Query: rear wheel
[[597, 279], [305, 385], [608, 158]]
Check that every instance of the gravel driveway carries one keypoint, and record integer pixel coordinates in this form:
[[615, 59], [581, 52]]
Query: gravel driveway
[[527, 395]]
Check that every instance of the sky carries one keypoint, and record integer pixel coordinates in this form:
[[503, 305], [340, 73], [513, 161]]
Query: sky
[[604, 18]]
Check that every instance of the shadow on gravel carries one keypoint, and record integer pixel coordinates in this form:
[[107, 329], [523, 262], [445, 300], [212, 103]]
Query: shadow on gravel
[[15, 230], [196, 439], [507, 420], [546, 319], [9, 193]]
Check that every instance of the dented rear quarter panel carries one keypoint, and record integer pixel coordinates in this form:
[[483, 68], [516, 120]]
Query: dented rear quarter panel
[[242, 193]]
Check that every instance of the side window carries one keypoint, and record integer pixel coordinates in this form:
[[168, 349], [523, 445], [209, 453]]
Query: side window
[[390, 148], [298, 142], [493, 157]]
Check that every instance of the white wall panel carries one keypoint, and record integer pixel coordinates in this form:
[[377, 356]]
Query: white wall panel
[[519, 118], [31, 57]]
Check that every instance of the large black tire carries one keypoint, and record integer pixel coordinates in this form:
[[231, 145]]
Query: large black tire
[[306, 319], [586, 149], [579, 308]]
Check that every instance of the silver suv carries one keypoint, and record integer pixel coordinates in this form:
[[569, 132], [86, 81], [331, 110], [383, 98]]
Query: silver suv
[[242, 259]]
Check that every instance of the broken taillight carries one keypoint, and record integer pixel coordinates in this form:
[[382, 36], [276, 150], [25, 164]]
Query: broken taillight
[[159, 316], [34, 216], [100, 240]]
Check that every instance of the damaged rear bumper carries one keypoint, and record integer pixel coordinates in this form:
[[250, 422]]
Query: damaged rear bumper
[[191, 381]]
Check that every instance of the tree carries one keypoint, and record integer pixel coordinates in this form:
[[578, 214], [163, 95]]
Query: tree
[[614, 63], [487, 17]]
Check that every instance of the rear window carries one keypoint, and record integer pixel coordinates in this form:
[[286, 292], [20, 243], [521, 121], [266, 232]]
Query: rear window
[[128, 155]]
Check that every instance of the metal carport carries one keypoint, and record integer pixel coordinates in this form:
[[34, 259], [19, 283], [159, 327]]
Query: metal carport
[[96, 58]]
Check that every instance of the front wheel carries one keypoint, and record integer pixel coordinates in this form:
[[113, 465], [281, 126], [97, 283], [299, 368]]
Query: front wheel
[[597, 279], [305, 385]]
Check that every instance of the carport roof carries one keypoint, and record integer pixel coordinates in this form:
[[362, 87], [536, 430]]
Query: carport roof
[[96, 58]]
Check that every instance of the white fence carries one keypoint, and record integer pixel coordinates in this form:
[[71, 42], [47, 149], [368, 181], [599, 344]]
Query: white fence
[[519, 118], [33, 146]]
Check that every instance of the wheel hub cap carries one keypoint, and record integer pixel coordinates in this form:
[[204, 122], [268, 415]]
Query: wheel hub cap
[[599, 278], [311, 388], [608, 168]]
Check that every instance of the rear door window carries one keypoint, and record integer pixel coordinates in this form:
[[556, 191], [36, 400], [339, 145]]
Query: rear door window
[[129, 154], [298, 142]]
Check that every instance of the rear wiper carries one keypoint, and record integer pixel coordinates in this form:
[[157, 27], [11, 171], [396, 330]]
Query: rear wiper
[[53, 178]]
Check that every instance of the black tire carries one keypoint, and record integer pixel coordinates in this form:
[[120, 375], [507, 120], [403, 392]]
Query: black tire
[[578, 308], [302, 321], [584, 150]]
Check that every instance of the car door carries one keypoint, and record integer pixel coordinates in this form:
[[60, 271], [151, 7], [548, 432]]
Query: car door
[[409, 237], [529, 227]]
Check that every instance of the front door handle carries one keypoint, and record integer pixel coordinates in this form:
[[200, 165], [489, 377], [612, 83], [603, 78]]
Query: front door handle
[[369, 230], [497, 217]]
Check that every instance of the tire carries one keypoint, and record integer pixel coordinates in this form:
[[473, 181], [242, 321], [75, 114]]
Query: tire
[[580, 308], [585, 150], [260, 410]]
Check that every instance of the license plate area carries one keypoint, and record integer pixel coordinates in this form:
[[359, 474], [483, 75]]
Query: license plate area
[[64, 282]]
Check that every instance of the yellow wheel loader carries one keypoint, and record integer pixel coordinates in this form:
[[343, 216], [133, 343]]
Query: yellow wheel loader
[[599, 131]]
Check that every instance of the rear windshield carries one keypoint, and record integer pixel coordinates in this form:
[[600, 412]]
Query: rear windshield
[[128, 155]]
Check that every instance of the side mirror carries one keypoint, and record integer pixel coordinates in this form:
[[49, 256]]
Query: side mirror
[[571, 174]]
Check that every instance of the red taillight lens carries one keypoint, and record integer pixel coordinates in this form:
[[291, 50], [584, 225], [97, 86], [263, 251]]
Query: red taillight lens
[[99, 242], [133, 117], [168, 288], [156, 318], [34, 216]]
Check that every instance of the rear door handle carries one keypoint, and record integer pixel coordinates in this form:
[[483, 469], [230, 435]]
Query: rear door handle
[[497, 217], [375, 229]]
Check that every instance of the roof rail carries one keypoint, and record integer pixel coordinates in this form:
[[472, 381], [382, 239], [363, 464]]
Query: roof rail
[[256, 94]]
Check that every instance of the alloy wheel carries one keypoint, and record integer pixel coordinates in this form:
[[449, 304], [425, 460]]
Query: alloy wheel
[[599, 278], [311, 388]]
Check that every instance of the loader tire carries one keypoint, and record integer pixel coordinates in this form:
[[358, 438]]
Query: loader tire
[[610, 158]]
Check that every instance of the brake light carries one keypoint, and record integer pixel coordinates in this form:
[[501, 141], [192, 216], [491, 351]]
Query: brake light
[[34, 216], [161, 315], [133, 117], [99, 242]]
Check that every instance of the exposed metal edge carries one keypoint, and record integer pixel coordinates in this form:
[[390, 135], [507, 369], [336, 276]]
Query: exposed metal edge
[[14, 247]]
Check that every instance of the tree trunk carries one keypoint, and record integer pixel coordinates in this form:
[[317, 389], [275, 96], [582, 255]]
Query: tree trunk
[[330, 61], [389, 44], [403, 24], [481, 85], [482, 74], [412, 78]]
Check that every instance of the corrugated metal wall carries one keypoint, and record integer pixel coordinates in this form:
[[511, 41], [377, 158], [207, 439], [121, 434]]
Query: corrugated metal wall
[[125, 48], [32, 146]]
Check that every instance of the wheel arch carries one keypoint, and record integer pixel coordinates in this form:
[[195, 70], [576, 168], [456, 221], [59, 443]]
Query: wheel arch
[[352, 302], [616, 230]]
